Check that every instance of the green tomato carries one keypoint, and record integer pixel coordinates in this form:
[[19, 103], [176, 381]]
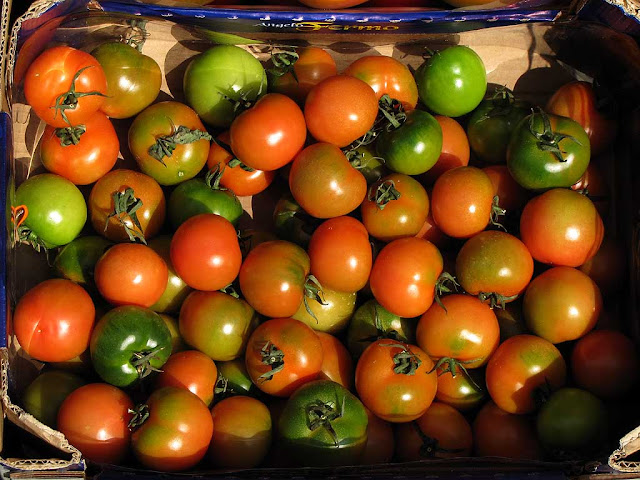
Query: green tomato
[[77, 260], [331, 317], [43, 397], [233, 377], [364, 159], [221, 73], [176, 290]]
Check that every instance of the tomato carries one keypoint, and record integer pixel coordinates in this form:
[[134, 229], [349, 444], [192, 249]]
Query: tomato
[[323, 424], [462, 202], [572, 420], [176, 434], [131, 274], [176, 290], [51, 210], [368, 164], [336, 361], [94, 418], [81, 154], [76, 261], [497, 433], [561, 227], [310, 66], [387, 76], [577, 100], [521, 370], [273, 278], [53, 320], [177, 344], [454, 152], [465, 330], [396, 206], [511, 196], [44, 395], [233, 379], [330, 316], [340, 109], [283, 354], [404, 276], [115, 210], [242, 433], [205, 252], [292, 223], [324, 183], [463, 390], [442, 432], [65, 86], [432, 233], [494, 264], [128, 343], [191, 370], [511, 319], [608, 267], [340, 254], [380, 441], [219, 77], [395, 380], [453, 81], [217, 324], [331, 4], [547, 151], [133, 79], [250, 238]]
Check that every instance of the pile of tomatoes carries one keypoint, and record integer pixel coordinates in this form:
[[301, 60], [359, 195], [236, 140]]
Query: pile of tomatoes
[[397, 304]]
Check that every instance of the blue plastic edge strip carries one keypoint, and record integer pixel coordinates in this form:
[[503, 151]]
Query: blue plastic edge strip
[[5, 157]]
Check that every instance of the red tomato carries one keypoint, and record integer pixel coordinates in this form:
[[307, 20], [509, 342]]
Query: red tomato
[[380, 441], [608, 267], [404, 276], [53, 320], [455, 149], [511, 196], [54, 81], [340, 109], [336, 361], [205, 252], [191, 370], [462, 391], [282, 355]]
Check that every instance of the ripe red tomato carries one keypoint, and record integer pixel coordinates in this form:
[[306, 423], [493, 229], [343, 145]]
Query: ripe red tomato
[[511, 196], [282, 355], [205, 252], [131, 274], [380, 441], [404, 276], [54, 81], [336, 361], [191, 370], [53, 320], [455, 149]]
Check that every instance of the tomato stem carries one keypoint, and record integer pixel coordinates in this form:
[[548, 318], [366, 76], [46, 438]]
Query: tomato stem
[[321, 414], [272, 356], [140, 415], [137, 34], [69, 99], [70, 135], [445, 284], [406, 362], [125, 204], [234, 162], [451, 365], [284, 62], [313, 290], [142, 362], [166, 144], [383, 193], [496, 300], [230, 290], [548, 140], [496, 212], [213, 177]]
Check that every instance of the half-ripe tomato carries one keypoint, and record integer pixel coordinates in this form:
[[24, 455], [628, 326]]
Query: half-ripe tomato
[[65, 86], [608, 267], [336, 361], [511, 196], [131, 274], [83, 153], [442, 432], [241, 434], [44, 395], [395, 380], [125, 205], [191, 370], [324, 183], [605, 362], [561, 227], [463, 391], [465, 332], [340, 254], [282, 355], [332, 315], [205, 252], [455, 149], [94, 418], [404, 276], [53, 321], [340, 109], [562, 304], [462, 202], [396, 206], [217, 324], [522, 370], [173, 430], [176, 290], [387, 76], [380, 441]]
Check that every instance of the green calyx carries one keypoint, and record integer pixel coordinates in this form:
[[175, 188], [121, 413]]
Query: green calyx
[[283, 63], [233, 163], [383, 193], [502, 103], [380, 331], [548, 140], [445, 284], [137, 34], [405, 362], [141, 361], [70, 135], [125, 206], [496, 212], [140, 415], [166, 144], [273, 357], [393, 114], [69, 99], [496, 300], [313, 290], [320, 415], [452, 365]]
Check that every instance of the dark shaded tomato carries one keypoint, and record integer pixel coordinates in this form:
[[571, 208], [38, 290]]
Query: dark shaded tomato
[[594, 184], [518, 370], [511, 319], [292, 223], [608, 266], [340, 254], [380, 441], [323, 424], [65, 86], [77, 260], [234, 379], [511, 196], [396, 206], [336, 361], [404, 276], [462, 202], [217, 324], [176, 290], [497, 433], [133, 79], [395, 380], [242, 433], [455, 149], [340, 109], [44, 395], [250, 238], [324, 183], [432, 233], [191, 370], [442, 432], [330, 316], [562, 304], [53, 320], [462, 391], [282, 355], [561, 227], [114, 196], [176, 434], [465, 330], [205, 252]]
